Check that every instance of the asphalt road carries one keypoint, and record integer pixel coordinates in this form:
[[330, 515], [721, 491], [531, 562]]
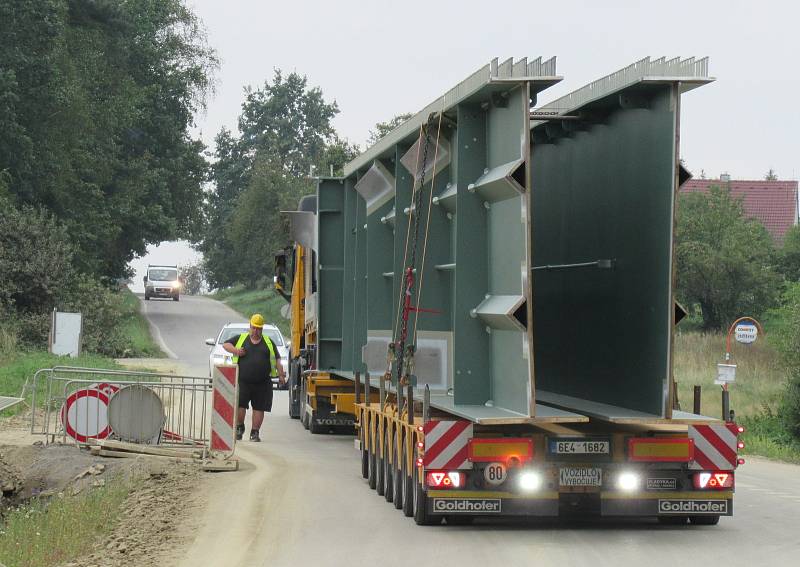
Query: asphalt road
[[300, 500]]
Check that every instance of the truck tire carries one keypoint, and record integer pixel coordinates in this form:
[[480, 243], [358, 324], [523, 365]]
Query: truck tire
[[408, 487], [459, 520], [294, 391], [371, 476], [314, 427], [399, 479], [388, 473], [704, 520], [364, 464], [146, 297], [421, 515], [380, 484], [673, 520], [176, 298]]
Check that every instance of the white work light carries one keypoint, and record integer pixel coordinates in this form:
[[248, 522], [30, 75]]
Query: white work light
[[628, 481], [530, 481]]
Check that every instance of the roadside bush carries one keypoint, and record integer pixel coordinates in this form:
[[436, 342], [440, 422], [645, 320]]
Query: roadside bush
[[35, 259], [103, 311], [36, 275], [788, 343]]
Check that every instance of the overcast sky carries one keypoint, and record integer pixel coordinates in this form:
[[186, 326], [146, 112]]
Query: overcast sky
[[380, 58]]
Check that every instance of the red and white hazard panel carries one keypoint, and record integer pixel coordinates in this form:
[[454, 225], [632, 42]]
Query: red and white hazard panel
[[715, 446], [223, 413], [446, 444]]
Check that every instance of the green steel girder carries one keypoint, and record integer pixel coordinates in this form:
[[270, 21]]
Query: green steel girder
[[515, 194]]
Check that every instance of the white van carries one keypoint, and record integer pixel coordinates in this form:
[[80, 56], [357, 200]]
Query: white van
[[162, 281]]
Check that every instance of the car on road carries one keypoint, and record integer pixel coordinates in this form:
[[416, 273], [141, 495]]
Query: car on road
[[219, 355]]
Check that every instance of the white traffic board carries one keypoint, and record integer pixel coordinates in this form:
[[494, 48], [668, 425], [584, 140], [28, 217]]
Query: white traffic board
[[726, 374], [746, 333]]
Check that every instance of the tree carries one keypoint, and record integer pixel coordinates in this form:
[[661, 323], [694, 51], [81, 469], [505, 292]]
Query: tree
[[96, 101], [288, 121], [383, 128], [788, 343], [192, 278], [725, 261], [789, 255], [285, 132], [771, 175]]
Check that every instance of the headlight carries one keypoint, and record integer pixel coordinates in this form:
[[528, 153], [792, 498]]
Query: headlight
[[176, 285], [628, 481], [530, 481]]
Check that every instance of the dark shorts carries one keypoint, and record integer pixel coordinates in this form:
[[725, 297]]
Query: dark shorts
[[257, 395]]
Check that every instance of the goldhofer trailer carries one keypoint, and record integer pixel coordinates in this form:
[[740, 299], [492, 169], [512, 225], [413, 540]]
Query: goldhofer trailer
[[488, 293]]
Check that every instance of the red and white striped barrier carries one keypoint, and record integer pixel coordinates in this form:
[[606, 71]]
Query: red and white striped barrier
[[715, 446], [224, 385], [446, 444]]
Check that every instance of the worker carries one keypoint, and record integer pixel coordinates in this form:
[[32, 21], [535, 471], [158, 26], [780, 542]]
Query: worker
[[258, 361]]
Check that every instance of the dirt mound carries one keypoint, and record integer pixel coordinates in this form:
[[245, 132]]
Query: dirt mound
[[44, 470], [153, 525], [10, 479]]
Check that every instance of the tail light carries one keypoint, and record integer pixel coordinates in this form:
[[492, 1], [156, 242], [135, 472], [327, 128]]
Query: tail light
[[713, 480], [444, 479]]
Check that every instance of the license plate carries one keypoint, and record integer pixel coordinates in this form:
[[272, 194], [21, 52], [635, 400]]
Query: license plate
[[580, 476], [584, 447]]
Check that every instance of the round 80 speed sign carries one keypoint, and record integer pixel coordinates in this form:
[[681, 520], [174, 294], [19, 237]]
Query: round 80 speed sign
[[495, 473]]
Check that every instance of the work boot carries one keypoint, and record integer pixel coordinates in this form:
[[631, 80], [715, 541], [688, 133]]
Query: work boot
[[254, 435], [239, 432]]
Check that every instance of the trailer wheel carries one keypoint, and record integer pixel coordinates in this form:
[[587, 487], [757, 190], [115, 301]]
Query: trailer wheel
[[459, 520], [421, 515], [364, 464], [673, 520], [704, 520], [408, 498], [399, 478], [388, 476], [380, 484], [371, 476]]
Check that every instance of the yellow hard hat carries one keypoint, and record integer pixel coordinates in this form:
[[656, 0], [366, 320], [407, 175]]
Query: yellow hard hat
[[257, 320]]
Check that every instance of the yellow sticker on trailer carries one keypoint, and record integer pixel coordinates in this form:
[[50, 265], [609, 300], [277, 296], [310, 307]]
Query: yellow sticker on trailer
[[491, 450]]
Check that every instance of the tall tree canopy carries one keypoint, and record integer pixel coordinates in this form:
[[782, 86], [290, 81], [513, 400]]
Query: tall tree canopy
[[725, 261], [96, 101], [285, 134]]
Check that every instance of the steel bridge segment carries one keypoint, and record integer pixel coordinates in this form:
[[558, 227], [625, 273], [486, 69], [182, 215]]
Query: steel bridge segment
[[603, 186], [689, 72], [541, 75]]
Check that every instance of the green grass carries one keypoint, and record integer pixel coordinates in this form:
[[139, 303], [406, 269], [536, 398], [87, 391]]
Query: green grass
[[16, 367], [756, 395], [765, 435], [135, 328], [760, 375], [264, 301], [47, 533]]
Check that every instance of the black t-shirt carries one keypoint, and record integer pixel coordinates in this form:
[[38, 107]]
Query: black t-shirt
[[254, 367]]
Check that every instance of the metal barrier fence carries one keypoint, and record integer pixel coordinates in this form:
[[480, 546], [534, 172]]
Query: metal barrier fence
[[85, 405]]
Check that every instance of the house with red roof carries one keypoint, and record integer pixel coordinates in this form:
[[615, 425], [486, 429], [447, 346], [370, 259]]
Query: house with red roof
[[774, 203]]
